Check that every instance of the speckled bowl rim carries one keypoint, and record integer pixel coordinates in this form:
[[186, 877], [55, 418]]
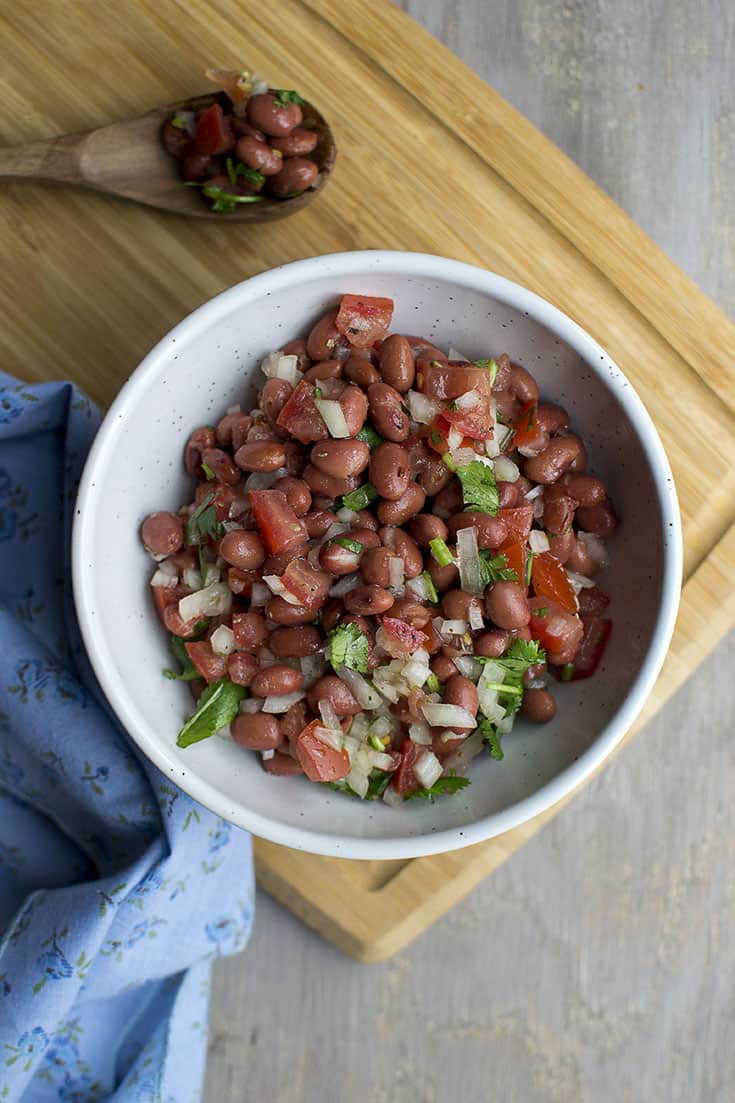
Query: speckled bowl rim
[[207, 317]]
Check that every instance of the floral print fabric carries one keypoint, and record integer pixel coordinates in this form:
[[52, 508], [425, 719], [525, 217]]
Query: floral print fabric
[[116, 889]]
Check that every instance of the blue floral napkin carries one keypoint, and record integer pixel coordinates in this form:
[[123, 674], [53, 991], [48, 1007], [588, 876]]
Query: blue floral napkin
[[116, 889]]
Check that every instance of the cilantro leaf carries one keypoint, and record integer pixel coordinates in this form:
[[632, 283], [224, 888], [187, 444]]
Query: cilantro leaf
[[360, 498], [203, 522], [217, 707], [490, 734], [368, 435], [479, 489], [348, 646], [443, 786], [494, 568], [188, 672], [523, 654], [238, 169], [224, 202], [285, 96]]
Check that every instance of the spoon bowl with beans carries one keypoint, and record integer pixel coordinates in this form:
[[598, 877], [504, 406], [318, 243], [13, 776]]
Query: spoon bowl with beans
[[127, 159]]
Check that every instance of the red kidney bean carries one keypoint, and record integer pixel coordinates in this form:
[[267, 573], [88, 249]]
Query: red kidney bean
[[297, 494], [375, 566], [265, 113], [340, 458], [275, 681], [162, 533], [443, 667], [226, 426], [491, 531], [413, 612], [360, 371], [407, 548], [354, 404], [579, 559], [456, 605], [506, 605], [325, 369], [297, 174], [221, 464], [200, 439], [331, 614], [241, 667], [281, 612], [175, 139], [434, 476], [538, 705], [368, 537], [398, 511], [175, 623], [425, 527], [507, 405], [585, 489], [536, 444], [292, 723], [297, 348], [387, 413], [592, 602], [242, 549], [298, 143], [327, 485], [318, 521], [337, 559], [599, 519], [561, 546], [240, 429], [522, 384], [396, 363], [551, 417], [295, 458], [559, 509], [195, 166], [444, 578], [368, 600], [282, 765], [563, 454], [423, 349], [333, 689], [274, 397], [365, 519], [259, 431], [492, 644], [261, 455], [450, 500], [259, 156], [463, 693], [256, 731], [241, 128], [508, 494], [325, 342], [502, 373], [249, 630], [390, 470], [241, 582]]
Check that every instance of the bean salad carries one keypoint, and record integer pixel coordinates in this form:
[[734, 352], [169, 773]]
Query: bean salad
[[384, 564]]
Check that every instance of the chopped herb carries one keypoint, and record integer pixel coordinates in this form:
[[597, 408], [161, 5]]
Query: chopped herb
[[494, 568], [370, 437], [448, 461], [490, 734], [235, 170], [217, 707], [567, 672], [203, 522], [432, 684], [543, 613], [208, 471], [223, 202], [443, 786], [360, 498], [521, 655], [376, 742], [505, 687], [491, 366], [350, 545], [479, 489], [529, 567], [430, 587], [348, 646], [285, 96], [184, 121], [441, 552], [318, 392], [188, 672], [202, 562], [377, 784], [453, 407]]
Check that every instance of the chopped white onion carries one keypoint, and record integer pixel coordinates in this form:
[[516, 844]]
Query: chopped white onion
[[328, 715], [381, 761], [264, 480], [454, 438], [312, 667], [419, 733], [333, 737], [251, 704], [390, 537], [452, 627], [380, 726], [538, 541], [506, 470], [334, 418], [461, 758], [595, 546], [358, 782], [281, 702], [417, 588], [579, 581], [422, 408], [267, 755], [468, 400], [346, 516], [165, 575], [236, 409], [222, 640], [396, 574], [477, 620], [259, 594], [537, 683], [464, 456], [468, 667], [365, 694], [534, 492], [392, 798], [468, 555], [212, 601], [277, 366], [346, 583], [492, 448], [449, 736], [504, 434], [415, 672], [274, 584], [538, 509], [192, 578], [428, 769], [454, 354], [448, 716]]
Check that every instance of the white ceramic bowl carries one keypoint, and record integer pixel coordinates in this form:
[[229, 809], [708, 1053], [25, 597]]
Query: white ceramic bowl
[[208, 363]]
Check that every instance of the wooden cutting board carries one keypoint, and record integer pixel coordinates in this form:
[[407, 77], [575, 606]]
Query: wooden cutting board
[[430, 159]]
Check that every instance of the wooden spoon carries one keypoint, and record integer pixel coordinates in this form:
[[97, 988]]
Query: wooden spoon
[[127, 159]]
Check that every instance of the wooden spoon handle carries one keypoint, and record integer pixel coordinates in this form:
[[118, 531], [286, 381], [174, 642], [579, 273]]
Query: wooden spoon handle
[[53, 159]]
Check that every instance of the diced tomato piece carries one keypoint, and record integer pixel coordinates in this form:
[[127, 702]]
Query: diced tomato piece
[[518, 521], [594, 641], [549, 579], [364, 319], [213, 133], [404, 635], [436, 436], [300, 417], [404, 779], [211, 667], [163, 596], [516, 553], [557, 630], [525, 426], [307, 583], [277, 523], [592, 602], [448, 381], [476, 422], [319, 761]]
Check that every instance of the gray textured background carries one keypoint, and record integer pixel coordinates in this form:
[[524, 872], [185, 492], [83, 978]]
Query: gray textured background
[[598, 964]]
